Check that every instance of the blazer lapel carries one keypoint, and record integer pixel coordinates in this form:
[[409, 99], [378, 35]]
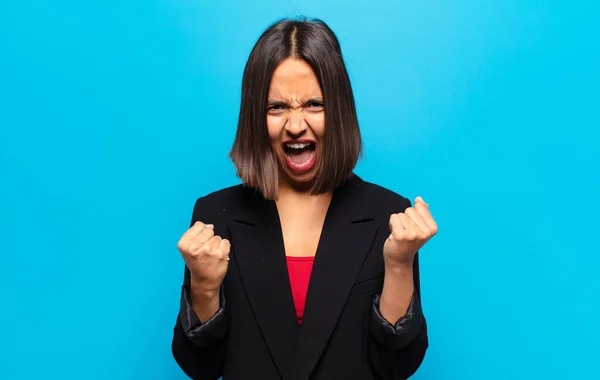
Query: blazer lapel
[[257, 243], [346, 239]]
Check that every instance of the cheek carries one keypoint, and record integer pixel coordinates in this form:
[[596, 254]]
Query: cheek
[[317, 123], [274, 127]]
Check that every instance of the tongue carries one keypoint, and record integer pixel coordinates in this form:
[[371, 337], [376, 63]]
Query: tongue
[[300, 156]]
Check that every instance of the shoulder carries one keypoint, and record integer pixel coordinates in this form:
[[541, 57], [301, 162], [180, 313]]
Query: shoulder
[[227, 194], [385, 199], [219, 201]]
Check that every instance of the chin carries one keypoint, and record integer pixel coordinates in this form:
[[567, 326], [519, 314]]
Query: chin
[[306, 178]]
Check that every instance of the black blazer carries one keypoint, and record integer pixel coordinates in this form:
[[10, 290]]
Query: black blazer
[[255, 334]]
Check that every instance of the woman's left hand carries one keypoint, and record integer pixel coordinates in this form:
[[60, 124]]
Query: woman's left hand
[[410, 230]]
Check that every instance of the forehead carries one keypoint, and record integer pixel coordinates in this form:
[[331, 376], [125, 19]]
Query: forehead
[[294, 77]]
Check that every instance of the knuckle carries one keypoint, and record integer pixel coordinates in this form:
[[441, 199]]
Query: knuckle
[[193, 253], [191, 248], [203, 250]]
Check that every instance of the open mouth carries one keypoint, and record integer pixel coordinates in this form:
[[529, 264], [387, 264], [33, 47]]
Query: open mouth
[[300, 156]]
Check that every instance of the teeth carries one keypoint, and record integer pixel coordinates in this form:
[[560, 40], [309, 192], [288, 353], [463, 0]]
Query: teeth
[[297, 145]]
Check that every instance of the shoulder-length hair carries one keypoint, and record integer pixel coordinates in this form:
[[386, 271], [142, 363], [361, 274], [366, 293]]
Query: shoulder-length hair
[[315, 43]]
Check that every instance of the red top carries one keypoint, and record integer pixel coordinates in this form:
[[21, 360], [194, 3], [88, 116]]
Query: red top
[[299, 269]]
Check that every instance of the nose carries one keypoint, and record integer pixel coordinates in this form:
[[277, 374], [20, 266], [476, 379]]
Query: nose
[[296, 124]]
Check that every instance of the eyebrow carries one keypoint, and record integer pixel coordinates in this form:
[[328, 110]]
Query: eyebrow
[[281, 103]]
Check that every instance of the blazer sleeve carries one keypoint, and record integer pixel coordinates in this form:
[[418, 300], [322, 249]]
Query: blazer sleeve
[[200, 348], [397, 351]]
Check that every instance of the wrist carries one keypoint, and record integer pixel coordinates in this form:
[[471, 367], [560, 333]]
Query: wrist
[[397, 292], [401, 269], [204, 289], [205, 299]]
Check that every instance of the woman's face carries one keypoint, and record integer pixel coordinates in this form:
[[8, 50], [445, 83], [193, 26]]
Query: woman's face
[[296, 120]]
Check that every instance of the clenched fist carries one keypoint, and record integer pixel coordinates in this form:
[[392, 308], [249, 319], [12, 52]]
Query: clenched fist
[[205, 254], [410, 230]]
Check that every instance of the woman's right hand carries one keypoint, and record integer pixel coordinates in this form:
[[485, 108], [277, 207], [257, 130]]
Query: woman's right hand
[[206, 255]]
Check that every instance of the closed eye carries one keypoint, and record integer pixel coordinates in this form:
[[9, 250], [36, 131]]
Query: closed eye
[[314, 105], [276, 107]]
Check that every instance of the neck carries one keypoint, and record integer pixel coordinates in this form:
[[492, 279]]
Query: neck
[[286, 186], [300, 194], [301, 208]]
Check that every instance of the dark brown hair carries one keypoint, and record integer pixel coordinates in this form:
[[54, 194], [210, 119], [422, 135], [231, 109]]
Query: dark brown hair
[[314, 42]]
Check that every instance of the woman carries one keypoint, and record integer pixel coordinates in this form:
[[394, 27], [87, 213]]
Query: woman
[[248, 309]]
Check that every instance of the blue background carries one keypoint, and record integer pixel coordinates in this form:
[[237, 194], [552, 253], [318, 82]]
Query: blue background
[[116, 115]]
